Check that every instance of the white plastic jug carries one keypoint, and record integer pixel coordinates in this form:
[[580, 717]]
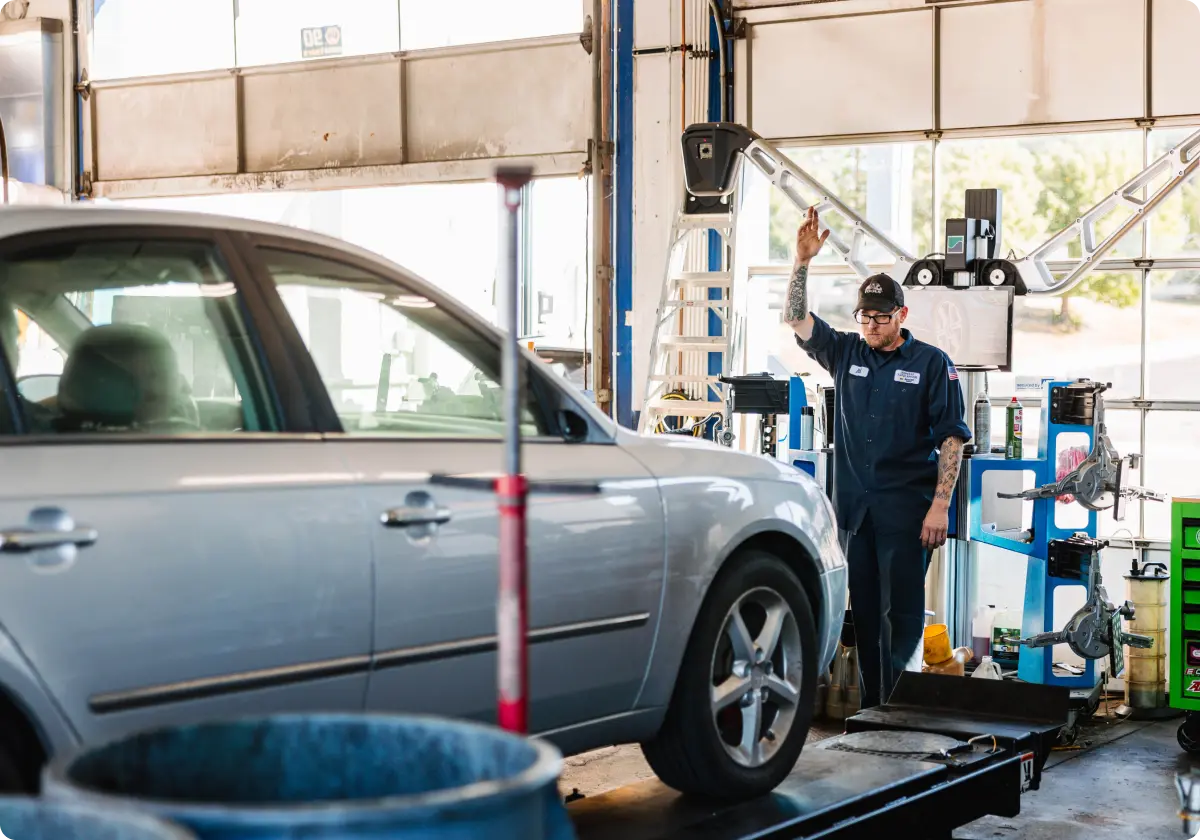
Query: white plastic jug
[[988, 670], [981, 631]]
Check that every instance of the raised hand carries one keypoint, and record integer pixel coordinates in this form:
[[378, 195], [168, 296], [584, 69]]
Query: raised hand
[[809, 239]]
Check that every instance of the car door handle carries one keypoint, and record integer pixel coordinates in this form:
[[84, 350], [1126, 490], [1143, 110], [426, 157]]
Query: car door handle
[[411, 515], [20, 540]]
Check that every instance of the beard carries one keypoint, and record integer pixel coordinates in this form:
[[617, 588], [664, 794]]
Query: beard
[[878, 341]]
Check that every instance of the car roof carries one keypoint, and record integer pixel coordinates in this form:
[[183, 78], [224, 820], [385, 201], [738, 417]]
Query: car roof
[[18, 220]]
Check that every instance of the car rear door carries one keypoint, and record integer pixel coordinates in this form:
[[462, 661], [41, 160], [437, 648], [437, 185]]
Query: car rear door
[[171, 547], [413, 393]]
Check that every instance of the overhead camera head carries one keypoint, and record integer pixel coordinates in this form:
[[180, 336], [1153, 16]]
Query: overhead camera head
[[972, 248]]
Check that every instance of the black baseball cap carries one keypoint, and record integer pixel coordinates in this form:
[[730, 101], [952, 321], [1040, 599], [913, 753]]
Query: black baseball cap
[[880, 293]]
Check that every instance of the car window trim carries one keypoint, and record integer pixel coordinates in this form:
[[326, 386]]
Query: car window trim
[[273, 399], [546, 396]]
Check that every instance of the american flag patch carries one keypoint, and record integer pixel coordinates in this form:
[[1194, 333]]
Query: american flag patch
[[953, 372]]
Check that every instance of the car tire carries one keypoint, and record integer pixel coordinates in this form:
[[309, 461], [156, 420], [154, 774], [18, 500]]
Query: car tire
[[700, 749]]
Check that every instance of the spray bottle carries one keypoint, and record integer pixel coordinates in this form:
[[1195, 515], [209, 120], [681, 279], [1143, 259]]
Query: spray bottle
[[983, 424], [1014, 417]]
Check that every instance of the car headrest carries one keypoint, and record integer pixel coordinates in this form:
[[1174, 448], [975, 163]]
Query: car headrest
[[119, 375]]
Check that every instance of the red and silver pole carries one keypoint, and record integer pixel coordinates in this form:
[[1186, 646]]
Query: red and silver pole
[[512, 608]]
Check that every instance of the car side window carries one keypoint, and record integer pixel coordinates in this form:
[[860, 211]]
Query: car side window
[[128, 335], [394, 363]]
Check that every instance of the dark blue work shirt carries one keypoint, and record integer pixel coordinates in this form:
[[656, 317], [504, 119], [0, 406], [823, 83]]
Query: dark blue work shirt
[[893, 410]]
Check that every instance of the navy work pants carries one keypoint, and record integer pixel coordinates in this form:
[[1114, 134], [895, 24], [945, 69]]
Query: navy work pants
[[887, 565]]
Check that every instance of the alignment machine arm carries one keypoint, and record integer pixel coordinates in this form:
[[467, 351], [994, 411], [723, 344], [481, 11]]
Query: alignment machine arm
[[1097, 482], [1178, 164]]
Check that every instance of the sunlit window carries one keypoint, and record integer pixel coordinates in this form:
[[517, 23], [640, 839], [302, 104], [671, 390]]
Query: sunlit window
[[1175, 227], [447, 23], [278, 31], [888, 183], [156, 37]]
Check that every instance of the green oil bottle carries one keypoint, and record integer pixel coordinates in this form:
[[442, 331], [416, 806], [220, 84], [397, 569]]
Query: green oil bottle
[[1014, 417]]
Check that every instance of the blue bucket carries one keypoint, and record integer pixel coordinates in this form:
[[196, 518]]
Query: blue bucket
[[22, 818], [327, 776]]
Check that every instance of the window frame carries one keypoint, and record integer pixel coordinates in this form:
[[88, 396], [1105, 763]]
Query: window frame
[[551, 398], [279, 396]]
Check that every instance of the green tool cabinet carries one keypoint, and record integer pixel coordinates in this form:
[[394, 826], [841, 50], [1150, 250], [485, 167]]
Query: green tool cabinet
[[1183, 670]]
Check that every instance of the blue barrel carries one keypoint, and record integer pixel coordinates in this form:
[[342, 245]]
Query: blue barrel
[[22, 818], [356, 777]]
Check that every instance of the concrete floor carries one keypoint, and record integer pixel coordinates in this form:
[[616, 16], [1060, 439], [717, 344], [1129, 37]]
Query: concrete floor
[[1117, 782]]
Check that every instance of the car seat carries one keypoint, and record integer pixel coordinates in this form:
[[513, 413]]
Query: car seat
[[124, 377]]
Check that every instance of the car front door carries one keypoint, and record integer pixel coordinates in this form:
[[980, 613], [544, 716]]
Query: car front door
[[169, 551], [413, 386]]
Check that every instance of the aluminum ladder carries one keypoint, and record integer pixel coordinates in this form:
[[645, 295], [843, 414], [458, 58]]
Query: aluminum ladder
[[680, 384]]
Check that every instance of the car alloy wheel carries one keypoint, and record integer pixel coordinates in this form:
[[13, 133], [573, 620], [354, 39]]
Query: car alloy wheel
[[756, 676], [743, 699]]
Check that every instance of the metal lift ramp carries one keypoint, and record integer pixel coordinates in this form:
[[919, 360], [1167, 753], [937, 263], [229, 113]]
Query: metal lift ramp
[[942, 753]]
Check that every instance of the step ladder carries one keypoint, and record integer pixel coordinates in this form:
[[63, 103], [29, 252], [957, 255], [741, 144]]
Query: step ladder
[[681, 389]]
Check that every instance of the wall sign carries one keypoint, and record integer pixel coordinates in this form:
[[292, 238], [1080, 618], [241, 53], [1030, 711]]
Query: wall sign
[[318, 41]]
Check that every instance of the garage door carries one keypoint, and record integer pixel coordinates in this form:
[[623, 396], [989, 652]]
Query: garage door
[[433, 115]]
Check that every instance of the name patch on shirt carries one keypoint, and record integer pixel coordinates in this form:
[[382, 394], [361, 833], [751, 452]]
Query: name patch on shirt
[[909, 376], [858, 370]]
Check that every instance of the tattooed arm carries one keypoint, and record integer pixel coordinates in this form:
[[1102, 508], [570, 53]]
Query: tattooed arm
[[937, 521], [795, 311], [809, 240]]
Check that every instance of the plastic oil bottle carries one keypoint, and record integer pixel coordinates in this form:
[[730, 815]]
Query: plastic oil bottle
[[1014, 416], [981, 631]]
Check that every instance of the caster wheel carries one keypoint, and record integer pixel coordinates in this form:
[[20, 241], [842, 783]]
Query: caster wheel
[[1188, 735]]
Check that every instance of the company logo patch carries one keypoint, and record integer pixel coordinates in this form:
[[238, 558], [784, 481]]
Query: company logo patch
[[1194, 687], [873, 289], [954, 244], [908, 376], [858, 370]]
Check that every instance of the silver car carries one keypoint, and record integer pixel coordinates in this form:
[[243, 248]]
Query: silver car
[[220, 447]]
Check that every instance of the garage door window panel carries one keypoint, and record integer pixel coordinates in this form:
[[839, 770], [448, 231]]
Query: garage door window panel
[[394, 362], [129, 335]]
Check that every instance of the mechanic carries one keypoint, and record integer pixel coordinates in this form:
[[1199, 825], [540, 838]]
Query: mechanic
[[900, 434]]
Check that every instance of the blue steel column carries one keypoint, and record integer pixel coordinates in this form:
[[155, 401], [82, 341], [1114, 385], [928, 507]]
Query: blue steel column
[[623, 207], [715, 243]]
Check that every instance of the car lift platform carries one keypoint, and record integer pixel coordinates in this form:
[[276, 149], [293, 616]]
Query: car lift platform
[[905, 765]]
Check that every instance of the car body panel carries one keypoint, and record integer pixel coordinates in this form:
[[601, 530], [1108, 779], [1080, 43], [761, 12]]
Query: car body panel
[[715, 500], [172, 591], [595, 579], [29, 693]]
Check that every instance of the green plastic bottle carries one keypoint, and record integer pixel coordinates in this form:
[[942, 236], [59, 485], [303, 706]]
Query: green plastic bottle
[[1014, 417]]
